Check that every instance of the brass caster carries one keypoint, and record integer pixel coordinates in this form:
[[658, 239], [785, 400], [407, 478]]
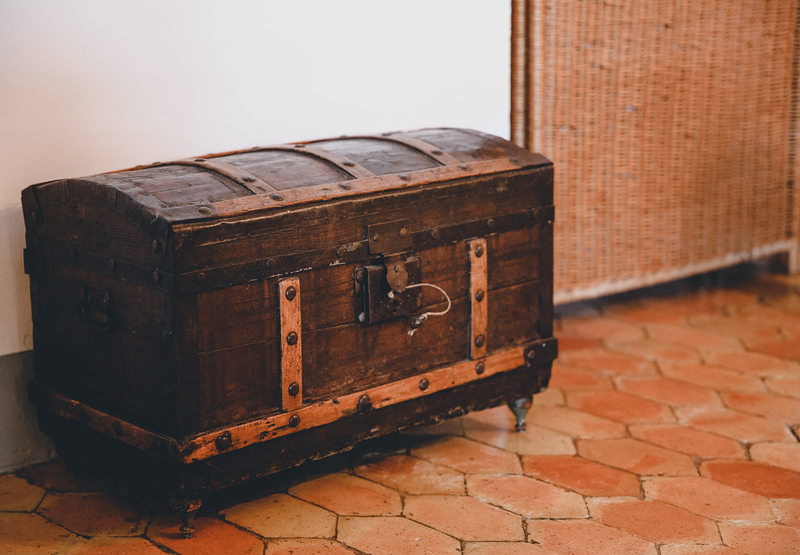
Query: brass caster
[[520, 408]]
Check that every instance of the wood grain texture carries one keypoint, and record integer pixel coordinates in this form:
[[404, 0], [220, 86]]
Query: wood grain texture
[[291, 345], [478, 291]]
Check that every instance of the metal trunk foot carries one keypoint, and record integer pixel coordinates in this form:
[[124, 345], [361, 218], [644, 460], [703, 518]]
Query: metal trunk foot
[[520, 408], [186, 509]]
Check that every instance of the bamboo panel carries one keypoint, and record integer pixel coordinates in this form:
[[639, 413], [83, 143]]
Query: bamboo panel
[[672, 129]]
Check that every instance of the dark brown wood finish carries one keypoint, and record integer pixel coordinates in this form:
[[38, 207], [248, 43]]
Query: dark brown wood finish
[[158, 295]]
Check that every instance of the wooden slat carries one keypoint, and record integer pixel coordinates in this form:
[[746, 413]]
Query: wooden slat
[[247, 180], [478, 289], [124, 431], [306, 195], [204, 446], [291, 354]]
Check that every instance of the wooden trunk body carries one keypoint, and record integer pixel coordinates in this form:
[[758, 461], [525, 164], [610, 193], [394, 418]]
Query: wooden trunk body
[[163, 312]]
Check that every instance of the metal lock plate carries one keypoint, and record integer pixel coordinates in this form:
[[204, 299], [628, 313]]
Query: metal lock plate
[[95, 309], [373, 300], [389, 237]]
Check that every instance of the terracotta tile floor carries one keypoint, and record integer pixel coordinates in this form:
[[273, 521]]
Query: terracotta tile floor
[[670, 427]]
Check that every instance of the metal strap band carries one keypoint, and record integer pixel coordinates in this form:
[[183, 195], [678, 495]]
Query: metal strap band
[[478, 294], [426, 148], [291, 344], [247, 180], [341, 162]]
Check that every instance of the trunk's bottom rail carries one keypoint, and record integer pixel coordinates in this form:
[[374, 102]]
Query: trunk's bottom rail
[[216, 442]]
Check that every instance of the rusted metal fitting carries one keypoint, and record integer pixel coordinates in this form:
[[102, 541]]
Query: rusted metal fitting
[[479, 251], [479, 294], [291, 293], [291, 338], [424, 384], [294, 421], [223, 441], [294, 389], [480, 368], [479, 341]]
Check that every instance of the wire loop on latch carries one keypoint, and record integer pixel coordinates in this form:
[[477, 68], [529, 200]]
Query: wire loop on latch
[[419, 320]]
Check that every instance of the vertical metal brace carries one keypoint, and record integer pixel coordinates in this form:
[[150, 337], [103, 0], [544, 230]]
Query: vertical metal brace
[[479, 296], [291, 344]]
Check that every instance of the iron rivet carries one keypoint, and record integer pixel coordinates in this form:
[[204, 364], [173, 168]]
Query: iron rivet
[[404, 233], [423, 384], [436, 234], [463, 167], [112, 264], [479, 295], [549, 222], [294, 389], [531, 354], [404, 176], [376, 237], [479, 251], [359, 275], [71, 252], [479, 368], [204, 210], [291, 338], [340, 252], [199, 159], [362, 317], [364, 401], [271, 263], [155, 244], [248, 179], [490, 223], [436, 152], [348, 164], [294, 421], [291, 293], [397, 269], [156, 277], [276, 196], [345, 186], [223, 441], [479, 341], [201, 278]]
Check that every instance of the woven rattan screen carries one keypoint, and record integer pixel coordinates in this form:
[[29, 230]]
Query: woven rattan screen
[[670, 123]]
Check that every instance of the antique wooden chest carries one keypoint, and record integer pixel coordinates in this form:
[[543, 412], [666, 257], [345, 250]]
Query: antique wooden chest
[[221, 318]]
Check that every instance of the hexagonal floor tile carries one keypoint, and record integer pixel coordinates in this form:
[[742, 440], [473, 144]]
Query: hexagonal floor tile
[[349, 495], [464, 518], [94, 514], [282, 516], [584, 476], [412, 475], [389, 535], [211, 536], [654, 520]]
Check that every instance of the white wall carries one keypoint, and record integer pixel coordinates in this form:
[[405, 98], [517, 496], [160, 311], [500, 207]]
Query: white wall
[[92, 86]]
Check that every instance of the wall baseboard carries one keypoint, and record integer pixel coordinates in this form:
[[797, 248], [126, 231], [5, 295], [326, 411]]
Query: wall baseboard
[[21, 442]]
